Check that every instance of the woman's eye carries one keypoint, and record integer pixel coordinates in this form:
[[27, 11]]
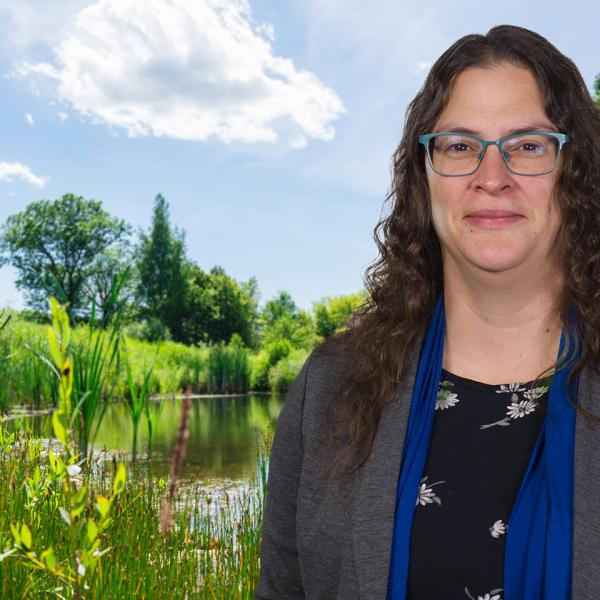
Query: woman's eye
[[532, 147]]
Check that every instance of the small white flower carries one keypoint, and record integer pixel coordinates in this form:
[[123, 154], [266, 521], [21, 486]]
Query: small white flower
[[490, 597], [445, 399], [426, 494], [81, 570], [498, 528], [511, 388], [535, 393], [493, 595], [520, 409], [73, 470]]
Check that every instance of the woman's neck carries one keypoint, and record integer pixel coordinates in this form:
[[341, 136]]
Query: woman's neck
[[501, 328]]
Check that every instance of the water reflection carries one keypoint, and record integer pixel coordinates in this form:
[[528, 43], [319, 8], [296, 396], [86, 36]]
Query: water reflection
[[224, 434]]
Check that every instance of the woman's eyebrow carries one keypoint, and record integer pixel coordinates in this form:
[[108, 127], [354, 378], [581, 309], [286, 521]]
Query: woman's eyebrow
[[540, 126]]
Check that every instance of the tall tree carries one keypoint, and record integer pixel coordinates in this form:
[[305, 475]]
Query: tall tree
[[218, 306], [53, 245], [282, 320], [162, 269]]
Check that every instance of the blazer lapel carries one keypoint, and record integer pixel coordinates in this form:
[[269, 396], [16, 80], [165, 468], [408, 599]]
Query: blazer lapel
[[374, 505], [586, 517]]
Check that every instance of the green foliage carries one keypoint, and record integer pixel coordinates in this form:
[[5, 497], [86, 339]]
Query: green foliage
[[55, 492], [211, 552], [55, 247], [219, 307], [331, 314], [228, 369], [285, 370], [267, 358], [283, 320], [162, 287], [137, 403], [597, 89], [95, 353]]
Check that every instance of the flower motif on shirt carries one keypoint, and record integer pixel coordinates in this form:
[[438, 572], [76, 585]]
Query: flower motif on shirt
[[498, 528], [426, 494], [517, 408], [445, 398], [493, 595], [535, 393]]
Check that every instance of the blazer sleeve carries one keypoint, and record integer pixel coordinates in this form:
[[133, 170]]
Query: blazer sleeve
[[280, 577]]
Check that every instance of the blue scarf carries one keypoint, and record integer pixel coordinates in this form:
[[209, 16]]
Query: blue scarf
[[538, 551]]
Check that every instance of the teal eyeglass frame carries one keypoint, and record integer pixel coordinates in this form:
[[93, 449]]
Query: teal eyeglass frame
[[425, 138]]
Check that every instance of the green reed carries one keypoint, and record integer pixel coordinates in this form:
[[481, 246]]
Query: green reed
[[211, 551]]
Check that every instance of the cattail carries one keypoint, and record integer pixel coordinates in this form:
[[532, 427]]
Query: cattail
[[166, 520]]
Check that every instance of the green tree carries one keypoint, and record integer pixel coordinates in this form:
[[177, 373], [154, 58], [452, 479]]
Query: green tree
[[105, 277], [54, 245], [283, 320], [597, 89], [162, 269], [219, 307], [331, 314]]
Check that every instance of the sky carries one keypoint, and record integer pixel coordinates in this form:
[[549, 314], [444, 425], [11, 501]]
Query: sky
[[267, 126]]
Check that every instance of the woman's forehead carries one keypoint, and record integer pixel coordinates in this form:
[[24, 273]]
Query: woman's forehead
[[503, 97]]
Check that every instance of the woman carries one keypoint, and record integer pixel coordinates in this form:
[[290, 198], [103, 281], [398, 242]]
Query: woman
[[407, 463]]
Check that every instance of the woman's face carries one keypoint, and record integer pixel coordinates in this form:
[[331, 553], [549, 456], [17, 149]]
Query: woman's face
[[491, 102]]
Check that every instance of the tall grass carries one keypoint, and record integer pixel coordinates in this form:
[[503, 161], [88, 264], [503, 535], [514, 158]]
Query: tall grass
[[211, 551], [27, 380]]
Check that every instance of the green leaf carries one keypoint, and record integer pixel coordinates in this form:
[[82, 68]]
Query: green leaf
[[48, 558], [103, 505], [59, 424], [26, 540], [55, 462], [14, 528], [57, 357], [78, 502], [92, 530], [120, 477]]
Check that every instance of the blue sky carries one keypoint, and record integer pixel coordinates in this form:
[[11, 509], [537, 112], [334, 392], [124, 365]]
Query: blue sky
[[268, 126]]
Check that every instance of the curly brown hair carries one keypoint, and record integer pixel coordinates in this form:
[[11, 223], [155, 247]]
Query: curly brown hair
[[407, 278]]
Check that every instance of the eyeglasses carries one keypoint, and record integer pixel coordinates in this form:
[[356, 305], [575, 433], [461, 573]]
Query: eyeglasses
[[531, 153]]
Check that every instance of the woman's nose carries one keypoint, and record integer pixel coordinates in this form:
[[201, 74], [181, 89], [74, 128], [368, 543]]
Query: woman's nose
[[493, 173]]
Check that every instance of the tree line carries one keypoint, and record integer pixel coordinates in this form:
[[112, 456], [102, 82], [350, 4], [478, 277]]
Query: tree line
[[71, 248]]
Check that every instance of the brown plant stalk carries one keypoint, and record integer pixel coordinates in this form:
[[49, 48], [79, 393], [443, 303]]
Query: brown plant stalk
[[166, 520]]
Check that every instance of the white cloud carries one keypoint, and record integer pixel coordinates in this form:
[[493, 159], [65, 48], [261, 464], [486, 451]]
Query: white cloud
[[186, 69], [29, 118], [63, 116], [17, 170]]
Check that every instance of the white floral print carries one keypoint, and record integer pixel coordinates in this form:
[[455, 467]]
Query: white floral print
[[498, 528], [426, 494], [511, 388], [445, 398], [517, 408], [535, 393], [492, 595]]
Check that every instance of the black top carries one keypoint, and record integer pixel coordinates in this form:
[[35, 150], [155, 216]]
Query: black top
[[482, 439]]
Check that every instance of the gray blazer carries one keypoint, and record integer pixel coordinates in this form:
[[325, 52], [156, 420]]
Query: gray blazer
[[334, 543]]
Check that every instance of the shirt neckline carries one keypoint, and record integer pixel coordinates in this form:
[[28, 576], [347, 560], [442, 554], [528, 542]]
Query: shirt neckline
[[488, 387]]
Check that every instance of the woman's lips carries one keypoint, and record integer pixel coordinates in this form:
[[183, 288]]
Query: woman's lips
[[493, 219]]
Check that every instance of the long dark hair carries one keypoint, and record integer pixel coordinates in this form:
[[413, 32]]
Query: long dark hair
[[406, 279]]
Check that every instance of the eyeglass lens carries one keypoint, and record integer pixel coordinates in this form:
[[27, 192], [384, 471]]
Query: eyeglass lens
[[533, 154]]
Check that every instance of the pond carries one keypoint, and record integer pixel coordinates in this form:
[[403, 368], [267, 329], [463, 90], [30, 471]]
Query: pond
[[225, 434]]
